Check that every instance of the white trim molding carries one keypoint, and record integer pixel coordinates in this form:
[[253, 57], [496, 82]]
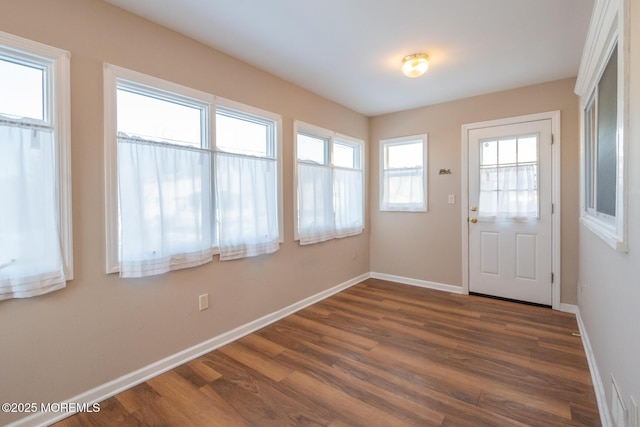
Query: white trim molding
[[554, 116], [417, 282], [596, 379]]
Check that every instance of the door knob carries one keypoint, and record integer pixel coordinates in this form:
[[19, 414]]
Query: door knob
[[474, 208], [474, 219]]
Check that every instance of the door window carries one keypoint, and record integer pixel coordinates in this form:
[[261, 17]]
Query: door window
[[509, 177]]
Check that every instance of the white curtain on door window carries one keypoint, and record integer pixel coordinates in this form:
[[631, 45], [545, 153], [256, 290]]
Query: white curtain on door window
[[347, 187], [165, 207], [30, 255], [509, 192], [316, 220], [246, 202]]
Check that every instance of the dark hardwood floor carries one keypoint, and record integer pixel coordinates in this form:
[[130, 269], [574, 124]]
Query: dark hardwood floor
[[378, 354]]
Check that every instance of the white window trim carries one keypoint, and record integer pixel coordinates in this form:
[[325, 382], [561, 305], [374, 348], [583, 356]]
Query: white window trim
[[319, 132], [113, 74], [383, 207], [244, 109], [609, 25], [59, 79]]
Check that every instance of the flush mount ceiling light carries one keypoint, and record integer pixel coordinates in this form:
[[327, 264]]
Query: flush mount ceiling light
[[415, 65]]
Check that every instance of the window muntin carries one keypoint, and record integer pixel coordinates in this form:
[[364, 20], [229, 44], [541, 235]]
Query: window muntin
[[329, 185], [403, 180], [35, 223]]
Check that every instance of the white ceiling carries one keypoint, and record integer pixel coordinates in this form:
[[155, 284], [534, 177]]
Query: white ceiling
[[350, 51]]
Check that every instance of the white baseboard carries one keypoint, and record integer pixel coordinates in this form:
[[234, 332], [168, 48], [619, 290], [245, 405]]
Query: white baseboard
[[417, 282], [132, 379], [569, 308], [596, 379]]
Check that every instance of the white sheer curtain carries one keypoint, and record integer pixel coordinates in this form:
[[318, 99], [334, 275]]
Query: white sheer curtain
[[30, 255], [403, 189], [329, 203], [509, 192], [165, 207], [316, 219], [348, 200], [246, 203]]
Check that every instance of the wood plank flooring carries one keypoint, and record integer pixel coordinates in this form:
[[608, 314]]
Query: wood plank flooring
[[378, 354]]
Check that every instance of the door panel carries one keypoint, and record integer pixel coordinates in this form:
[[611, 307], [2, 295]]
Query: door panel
[[510, 211], [490, 252], [526, 256]]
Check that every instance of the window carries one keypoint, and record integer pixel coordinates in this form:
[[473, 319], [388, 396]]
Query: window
[[509, 178], [330, 182], [35, 221], [403, 177], [176, 192], [601, 135], [602, 84], [246, 184], [164, 167], [603, 202]]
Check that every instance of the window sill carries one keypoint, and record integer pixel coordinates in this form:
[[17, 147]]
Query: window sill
[[401, 209], [604, 232]]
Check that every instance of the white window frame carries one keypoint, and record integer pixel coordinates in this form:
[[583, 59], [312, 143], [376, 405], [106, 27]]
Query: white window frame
[[112, 76], [609, 29], [391, 207], [248, 112], [330, 136], [57, 96]]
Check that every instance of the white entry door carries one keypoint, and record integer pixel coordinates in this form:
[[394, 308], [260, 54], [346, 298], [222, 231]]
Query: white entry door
[[510, 211]]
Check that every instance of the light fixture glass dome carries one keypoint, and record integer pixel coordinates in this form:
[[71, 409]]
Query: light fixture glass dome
[[415, 65]]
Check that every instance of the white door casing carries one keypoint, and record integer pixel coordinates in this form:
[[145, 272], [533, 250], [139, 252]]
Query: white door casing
[[511, 255]]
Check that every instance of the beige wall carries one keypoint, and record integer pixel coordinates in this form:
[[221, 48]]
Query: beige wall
[[101, 327], [427, 246]]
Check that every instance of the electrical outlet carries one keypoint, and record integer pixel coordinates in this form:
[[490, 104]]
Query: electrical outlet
[[203, 301], [452, 199]]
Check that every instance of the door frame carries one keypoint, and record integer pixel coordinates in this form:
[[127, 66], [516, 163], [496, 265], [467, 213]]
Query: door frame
[[554, 116]]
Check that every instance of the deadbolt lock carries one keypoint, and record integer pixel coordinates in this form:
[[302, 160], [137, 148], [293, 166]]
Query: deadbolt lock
[[474, 208]]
